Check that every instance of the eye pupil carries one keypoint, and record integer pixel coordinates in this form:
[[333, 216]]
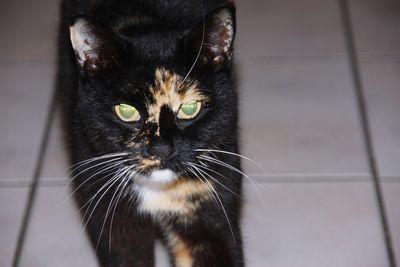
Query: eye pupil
[[126, 110], [189, 108]]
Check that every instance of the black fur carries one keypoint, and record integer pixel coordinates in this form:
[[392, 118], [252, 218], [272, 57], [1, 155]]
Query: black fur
[[119, 68]]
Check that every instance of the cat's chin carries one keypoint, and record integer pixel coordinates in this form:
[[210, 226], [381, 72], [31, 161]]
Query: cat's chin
[[157, 179]]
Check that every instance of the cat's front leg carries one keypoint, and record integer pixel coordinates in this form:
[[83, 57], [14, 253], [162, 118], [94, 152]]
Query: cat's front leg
[[127, 242], [200, 244], [131, 244]]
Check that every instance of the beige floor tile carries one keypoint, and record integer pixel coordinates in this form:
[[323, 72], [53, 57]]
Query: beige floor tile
[[376, 25], [391, 191], [313, 224], [382, 86], [300, 118], [24, 100], [54, 236], [12, 208], [284, 27], [28, 29], [56, 164]]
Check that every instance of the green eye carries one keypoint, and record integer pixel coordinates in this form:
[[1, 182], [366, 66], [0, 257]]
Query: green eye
[[189, 110], [127, 113]]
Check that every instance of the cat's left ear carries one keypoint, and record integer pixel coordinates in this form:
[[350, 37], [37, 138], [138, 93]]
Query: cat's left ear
[[214, 38], [94, 45]]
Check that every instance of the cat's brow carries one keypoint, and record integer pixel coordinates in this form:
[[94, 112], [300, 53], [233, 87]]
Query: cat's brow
[[170, 90]]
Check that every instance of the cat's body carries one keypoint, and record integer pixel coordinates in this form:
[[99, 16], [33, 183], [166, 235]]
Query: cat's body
[[148, 97]]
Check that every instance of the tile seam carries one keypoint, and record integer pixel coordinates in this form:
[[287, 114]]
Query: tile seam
[[365, 124], [35, 180]]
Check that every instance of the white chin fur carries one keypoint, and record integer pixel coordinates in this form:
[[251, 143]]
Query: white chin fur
[[158, 178]]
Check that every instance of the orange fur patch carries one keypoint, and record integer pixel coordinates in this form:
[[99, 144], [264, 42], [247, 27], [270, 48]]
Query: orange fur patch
[[176, 197], [181, 251], [146, 164], [172, 91]]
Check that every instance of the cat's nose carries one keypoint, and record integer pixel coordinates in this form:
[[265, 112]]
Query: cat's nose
[[161, 150], [166, 122]]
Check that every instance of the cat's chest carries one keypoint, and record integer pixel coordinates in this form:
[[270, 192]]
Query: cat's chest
[[181, 198]]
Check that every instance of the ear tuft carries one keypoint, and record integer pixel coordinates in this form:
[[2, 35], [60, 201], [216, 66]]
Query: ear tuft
[[219, 32]]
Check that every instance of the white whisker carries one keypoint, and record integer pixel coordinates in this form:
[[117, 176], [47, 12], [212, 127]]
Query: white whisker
[[231, 153], [103, 169], [110, 204], [201, 180], [224, 164], [127, 178], [109, 184], [87, 161], [198, 168], [201, 45], [207, 167], [85, 170], [220, 202]]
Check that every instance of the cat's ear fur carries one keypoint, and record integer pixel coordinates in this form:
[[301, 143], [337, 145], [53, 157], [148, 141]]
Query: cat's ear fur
[[217, 32], [93, 44]]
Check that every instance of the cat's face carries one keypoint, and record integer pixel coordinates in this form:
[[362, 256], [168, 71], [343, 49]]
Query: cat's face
[[141, 97]]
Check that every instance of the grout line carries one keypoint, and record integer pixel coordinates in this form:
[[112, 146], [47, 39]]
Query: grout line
[[263, 178], [35, 180], [363, 113], [56, 182], [290, 59], [53, 181], [48, 62]]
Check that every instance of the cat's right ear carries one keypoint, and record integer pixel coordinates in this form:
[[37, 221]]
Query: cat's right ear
[[212, 39], [93, 45]]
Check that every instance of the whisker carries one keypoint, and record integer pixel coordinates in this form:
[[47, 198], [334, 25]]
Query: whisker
[[231, 153], [201, 180], [104, 185], [207, 167], [85, 170], [94, 166], [220, 202], [108, 185], [94, 175], [110, 204], [198, 167], [86, 161], [127, 178], [201, 45], [224, 164]]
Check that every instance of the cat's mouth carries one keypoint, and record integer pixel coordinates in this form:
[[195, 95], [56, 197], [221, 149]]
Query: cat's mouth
[[156, 179]]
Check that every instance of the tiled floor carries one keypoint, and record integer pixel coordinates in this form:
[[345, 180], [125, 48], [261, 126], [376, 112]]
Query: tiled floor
[[299, 119]]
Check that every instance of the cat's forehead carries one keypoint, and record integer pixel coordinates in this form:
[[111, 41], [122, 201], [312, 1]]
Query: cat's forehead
[[172, 90]]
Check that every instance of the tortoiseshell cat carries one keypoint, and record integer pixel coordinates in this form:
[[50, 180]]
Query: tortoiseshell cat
[[151, 118]]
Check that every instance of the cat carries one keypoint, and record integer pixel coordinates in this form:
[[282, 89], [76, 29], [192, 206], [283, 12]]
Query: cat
[[151, 118]]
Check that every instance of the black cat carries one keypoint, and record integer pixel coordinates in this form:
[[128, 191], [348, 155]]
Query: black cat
[[151, 119]]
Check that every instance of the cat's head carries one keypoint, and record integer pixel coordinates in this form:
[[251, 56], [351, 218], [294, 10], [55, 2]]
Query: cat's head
[[158, 96]]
